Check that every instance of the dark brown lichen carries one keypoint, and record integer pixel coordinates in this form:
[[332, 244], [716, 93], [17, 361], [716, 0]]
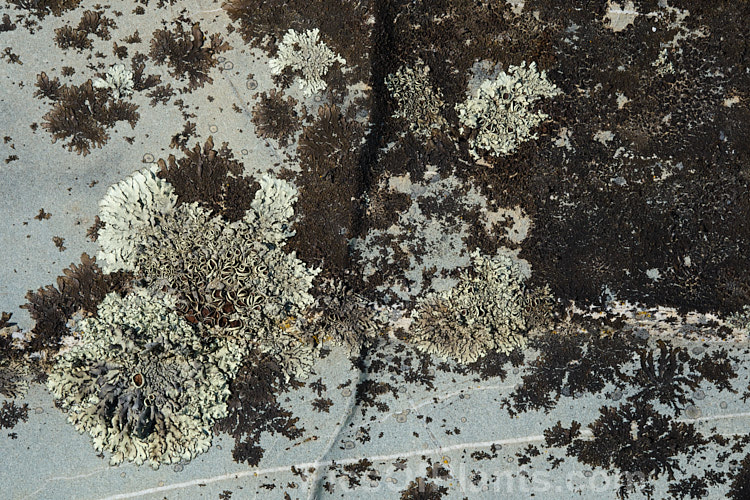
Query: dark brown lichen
[[189, 54], [41, 8], [639, 442], [180, 139], [421, 489], [92, 233], [275, 117], [81, 287], [81, 114], [7, 24], [571, 363], [211, 177], [59, 243], [253, 408], [91, 23], [740, 488], [11, 414], [331, 185]]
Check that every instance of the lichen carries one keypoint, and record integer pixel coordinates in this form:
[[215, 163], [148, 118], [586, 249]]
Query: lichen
[[303, 52], [275, 117], [130, 212], [142, 382], [118, 80], [236, 272], [499, 110], [189, 54], [345, 318], [13, 371], [484, 312], [417, 102]]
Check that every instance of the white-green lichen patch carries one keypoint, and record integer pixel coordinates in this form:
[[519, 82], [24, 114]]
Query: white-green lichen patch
[[305, 53], [199, 255], [119, 81], [130, 212], [416, 101], [485, 311], [143, 382], [499, 111]]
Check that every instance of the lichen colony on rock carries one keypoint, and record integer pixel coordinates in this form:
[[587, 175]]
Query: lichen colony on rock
[[142, 382]]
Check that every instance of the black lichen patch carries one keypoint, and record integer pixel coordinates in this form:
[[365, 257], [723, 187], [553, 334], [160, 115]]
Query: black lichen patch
[[189, 54], [81, 287], [254, 408], [91, 23], [322, 405], [674, 375], [41, 8], [572, 363], [180, 140], [11, 414], [559, 436], [344, 26], [421, 489], [59, 243], [639, 442], [331, 184], [92, 232], [211, 177], [740, 488], [42, 215], [81, 114], [275, 117], [695, 487], [6, 24], [10, 57]]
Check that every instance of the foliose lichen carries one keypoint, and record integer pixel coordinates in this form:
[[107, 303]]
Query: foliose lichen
[[416, 101], [130, 212], [13, 371], [484, 312], [499, 110], [119, 80], [143, 382], [345, 318], [303, 52], [236, 271]]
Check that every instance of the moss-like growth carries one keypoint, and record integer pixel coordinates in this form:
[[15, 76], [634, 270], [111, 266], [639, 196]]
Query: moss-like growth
[[485, 312], [142, 382]]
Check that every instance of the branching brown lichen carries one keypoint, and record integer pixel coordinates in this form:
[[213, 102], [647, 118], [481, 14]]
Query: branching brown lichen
[[276, 118], [81, 114], [187, 53]]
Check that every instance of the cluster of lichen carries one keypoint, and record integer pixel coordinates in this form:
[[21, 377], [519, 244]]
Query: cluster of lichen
[[499, 111], [416, 101], [143, 382], [145, 377], [306, 54], [345, 318], [486, 311]]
